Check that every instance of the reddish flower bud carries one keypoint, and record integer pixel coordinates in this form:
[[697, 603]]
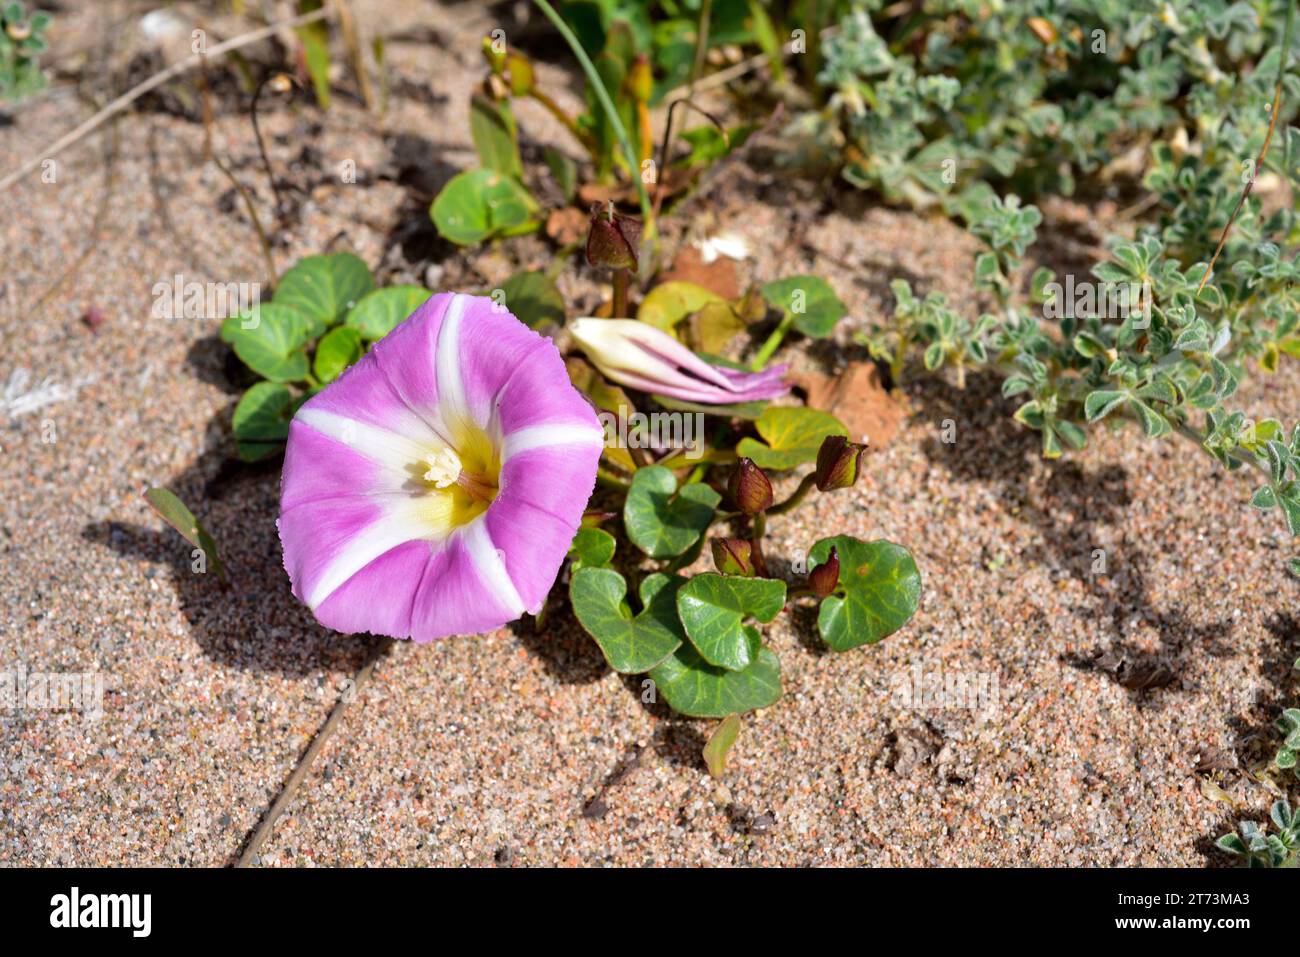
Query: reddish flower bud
[[614, 239], [837, 463], [734, 556], [750, 488], [823, 579]]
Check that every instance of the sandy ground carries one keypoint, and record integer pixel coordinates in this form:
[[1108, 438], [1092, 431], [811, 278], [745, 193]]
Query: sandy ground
[[520, 748]]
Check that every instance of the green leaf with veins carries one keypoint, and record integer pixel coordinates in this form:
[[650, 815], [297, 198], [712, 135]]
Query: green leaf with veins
[[632, 644], [591, 548], [811, 300], [323, 288], [533, 298], [380, 311], [338, 349], [880, 588], [793, 436], [269, 340], [261, 420], [662, 521], [713, 608], [482, 203], [697, 689]]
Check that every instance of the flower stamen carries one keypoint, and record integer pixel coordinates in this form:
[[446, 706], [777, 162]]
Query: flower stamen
[[444, 467]]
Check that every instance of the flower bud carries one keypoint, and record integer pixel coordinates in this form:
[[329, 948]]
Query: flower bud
[[520, 70], [280, 83], [18, 31], [750, 488], [837, 463], [495, 56], [823, 579], [613, 239], [640, 79], [734, 556]]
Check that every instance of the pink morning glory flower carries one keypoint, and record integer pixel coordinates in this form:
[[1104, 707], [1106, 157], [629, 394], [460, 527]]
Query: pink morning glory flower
[[435, 488], [636, 354]]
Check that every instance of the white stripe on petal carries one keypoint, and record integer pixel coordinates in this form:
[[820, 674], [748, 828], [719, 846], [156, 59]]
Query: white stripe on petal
[[394, 452], [447, 362], [537, 436], [398, 526], [491, 568]]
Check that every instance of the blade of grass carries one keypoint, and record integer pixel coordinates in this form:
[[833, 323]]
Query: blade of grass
[[607, 104], [1263, 150]]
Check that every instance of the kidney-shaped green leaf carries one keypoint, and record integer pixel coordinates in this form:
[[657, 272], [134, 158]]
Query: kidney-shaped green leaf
[[592, 547], [533, 298], [713, 608], [631, 644], [480, 203], [323, 288], [269, 340], [261, 420], [793, 436], [696, 689], [880, 588], [810, 300], [662, 521], [378, 312], [338, 349]]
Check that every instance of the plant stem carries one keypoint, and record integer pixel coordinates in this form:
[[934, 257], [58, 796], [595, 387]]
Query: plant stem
[[772, 343], [568, 122], [796, 497], [713, 457], [1263, 150], [607, 104], [619, 308], [697, 66], [610, 480], [760, 525], [273, 278], [261, 147], [1189, 433]]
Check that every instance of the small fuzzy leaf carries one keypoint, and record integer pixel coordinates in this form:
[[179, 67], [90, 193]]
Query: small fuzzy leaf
[[1102, 402]]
